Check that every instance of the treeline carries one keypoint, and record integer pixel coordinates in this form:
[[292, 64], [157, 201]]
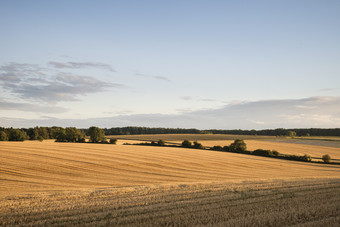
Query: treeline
[[42, 133], [68, 134], [265, 132], [146, 130], [280, 132]]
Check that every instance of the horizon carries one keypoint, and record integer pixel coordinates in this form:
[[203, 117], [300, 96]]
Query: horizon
[[194, 64]]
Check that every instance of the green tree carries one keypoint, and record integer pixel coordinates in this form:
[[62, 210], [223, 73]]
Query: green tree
[[72, 134], [198, 145], [17, 135], [187, 144], [3, 136], [291, 133], [238, 146], [113, 141], [96, 134], [161, 143], [60, 135]]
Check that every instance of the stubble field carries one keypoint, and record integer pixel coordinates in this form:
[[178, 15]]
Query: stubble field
[[47, 183]]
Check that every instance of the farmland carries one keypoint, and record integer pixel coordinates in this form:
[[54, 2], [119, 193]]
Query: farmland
[[48, 183]]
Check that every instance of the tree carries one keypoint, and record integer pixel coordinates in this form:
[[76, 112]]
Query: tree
[[113, 141], [326, 158], [161, 143], [262, 152], [72, 134], [291, 133], [187, 144], [96, 134], [17, 135], [198, 145], [238, 146], [69, 134], [3, 136], [60, 135], [307, 158]]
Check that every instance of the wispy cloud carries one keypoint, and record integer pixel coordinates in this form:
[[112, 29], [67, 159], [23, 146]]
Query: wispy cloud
[[187, 98], [33, 82], [78, 65], [28, 107], [192, 98], [153, 77]]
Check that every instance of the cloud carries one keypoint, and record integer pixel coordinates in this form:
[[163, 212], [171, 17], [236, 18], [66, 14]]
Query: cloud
[[32, 82], [153, 77], [187, 98], [78, 65], [326, 89], [27, 107], [191, 98], [245, 115]]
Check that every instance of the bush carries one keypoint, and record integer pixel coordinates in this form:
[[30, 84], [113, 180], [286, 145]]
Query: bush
[[326, 158], [261, 152], [238, 146], [113, 141], [226, 148], [161, 143], [40, 138], [275, 153], [198, 145], [187, 144], [217, 148], [306, 158]]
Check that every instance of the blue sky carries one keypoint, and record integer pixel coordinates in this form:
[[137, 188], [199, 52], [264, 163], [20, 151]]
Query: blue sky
[[201, 64]]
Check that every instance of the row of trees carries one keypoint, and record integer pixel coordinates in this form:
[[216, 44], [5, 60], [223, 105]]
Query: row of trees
[[38, 133], [68, 134], [13, 135], [97, 135], [265, 132]]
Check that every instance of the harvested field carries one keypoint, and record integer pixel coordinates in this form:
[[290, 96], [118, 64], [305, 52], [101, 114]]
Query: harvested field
[[33, 166], [284, 148], [263, 203], [48, 183]]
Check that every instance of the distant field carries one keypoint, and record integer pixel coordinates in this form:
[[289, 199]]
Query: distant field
[[315, 151], [314, 146], [48, 183]]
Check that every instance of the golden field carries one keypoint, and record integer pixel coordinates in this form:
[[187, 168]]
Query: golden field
[[282, 147], [33, 166], [48, 183]]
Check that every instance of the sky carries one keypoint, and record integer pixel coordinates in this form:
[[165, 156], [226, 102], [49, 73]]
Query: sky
[[181, 63]]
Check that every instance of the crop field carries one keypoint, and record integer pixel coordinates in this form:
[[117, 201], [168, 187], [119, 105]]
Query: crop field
[[247, 203], [282, 147], [48, 183], [313, 146]]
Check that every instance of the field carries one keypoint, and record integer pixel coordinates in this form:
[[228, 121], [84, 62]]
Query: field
[[47, 183], [313, 146]]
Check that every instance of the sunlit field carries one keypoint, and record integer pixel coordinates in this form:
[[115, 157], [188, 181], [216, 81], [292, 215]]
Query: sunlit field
[[48, 183]]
